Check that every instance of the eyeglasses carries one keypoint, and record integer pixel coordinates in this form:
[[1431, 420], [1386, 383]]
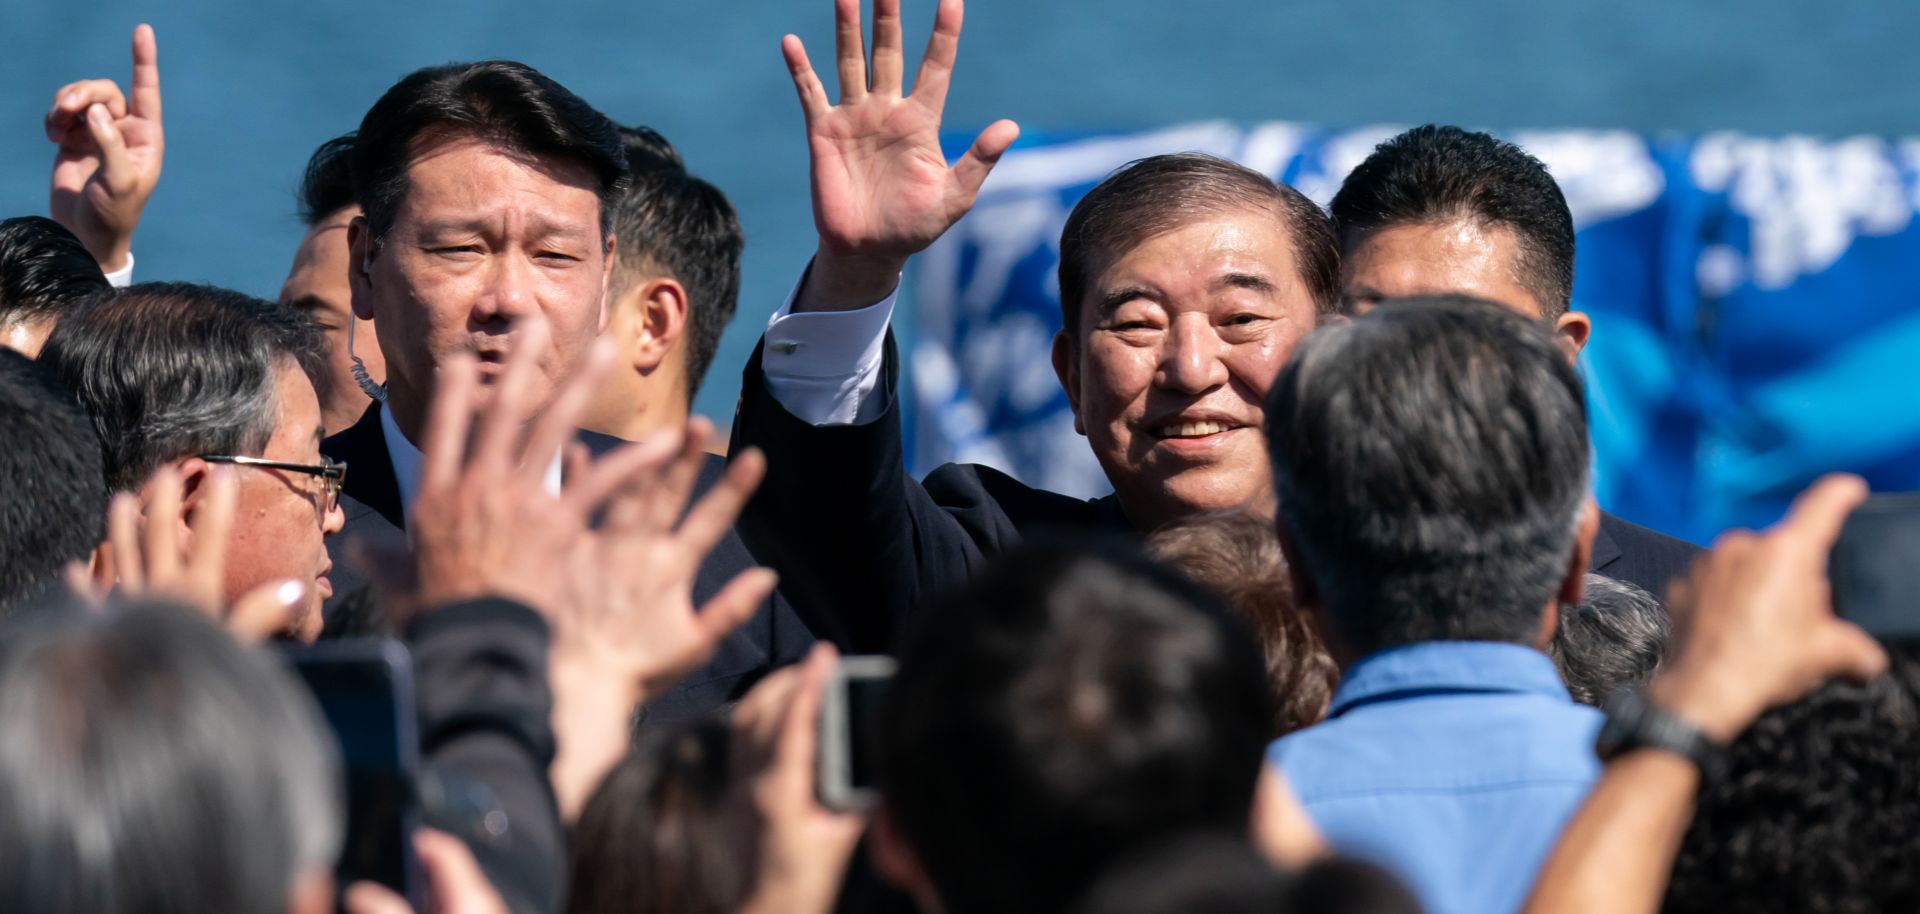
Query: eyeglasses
[[334, 474]]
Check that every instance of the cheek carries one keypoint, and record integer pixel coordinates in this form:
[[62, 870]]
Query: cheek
[[1114, 381]]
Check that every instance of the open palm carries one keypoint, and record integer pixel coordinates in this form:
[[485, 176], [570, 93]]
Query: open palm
[[882, 190]]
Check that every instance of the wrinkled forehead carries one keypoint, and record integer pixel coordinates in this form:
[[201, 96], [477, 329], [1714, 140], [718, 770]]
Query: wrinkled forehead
[[469, 178]]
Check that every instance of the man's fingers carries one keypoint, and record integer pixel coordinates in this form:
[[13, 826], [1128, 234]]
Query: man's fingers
[[797, 736], [1817, 515], [80, 583], [849, 55], [266, 610], [159, 541], [620, 470], [716, 511], [373, 898], [888, 67], [936, 67], [813, 95], [556, 424], [146, 73], [123, 538], [115, 168], [735, 604], [675, 487], [453, 876], [449, 421], [992, 143], [212, 524], [495, 452], [1852, 653], [70, 104]]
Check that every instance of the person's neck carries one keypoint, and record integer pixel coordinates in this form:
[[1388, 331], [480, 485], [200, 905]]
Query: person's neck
[[409, 410], [633, 411]]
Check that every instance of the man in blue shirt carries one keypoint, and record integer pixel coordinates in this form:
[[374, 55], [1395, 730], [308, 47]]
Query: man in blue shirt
[[1430, 463]]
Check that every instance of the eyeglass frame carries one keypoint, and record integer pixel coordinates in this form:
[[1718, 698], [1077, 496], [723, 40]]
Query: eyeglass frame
[[333, 474]]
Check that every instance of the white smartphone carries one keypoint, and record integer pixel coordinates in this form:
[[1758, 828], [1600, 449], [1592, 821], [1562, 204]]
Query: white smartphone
[[849, 719]]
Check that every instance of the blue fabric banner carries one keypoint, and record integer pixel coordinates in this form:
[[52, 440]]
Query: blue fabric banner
[[1753, 302]]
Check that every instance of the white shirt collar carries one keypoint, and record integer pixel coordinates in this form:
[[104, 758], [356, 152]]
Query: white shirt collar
[[406, 462]]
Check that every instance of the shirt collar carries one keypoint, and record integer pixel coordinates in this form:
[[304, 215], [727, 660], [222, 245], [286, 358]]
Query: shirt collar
[[1447, 666], [406, 462]]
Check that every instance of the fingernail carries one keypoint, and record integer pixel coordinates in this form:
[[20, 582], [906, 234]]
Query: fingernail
[[70, 99], [98, 114]]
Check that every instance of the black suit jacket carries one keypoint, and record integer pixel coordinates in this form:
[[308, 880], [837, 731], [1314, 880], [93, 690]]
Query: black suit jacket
[[860, 544], [371, 501]]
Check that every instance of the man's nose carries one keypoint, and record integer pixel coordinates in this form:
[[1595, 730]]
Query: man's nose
[[1191, 361], [509, 291]]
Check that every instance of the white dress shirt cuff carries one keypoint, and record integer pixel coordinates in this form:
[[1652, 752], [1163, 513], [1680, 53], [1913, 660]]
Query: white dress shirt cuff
[[122, 277], [825, 366]]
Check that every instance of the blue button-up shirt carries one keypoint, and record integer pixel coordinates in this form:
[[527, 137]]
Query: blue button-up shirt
[[1453, 763]]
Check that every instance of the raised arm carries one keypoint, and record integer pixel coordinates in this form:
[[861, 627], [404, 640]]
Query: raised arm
[[110, 147], [882, 190], [1757, 630]]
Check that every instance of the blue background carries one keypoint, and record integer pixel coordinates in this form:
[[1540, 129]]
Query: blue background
[[251, 88]]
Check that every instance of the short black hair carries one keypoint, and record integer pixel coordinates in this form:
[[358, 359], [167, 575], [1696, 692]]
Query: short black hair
[[1814, 811], [1070, 705], [1612, 640], [327, 185], [505, 104], [44, 270], [54, 503], [1441, 174], [1430, 465], [171, 370], [1198, 873], [1154, 195], [671, 222]]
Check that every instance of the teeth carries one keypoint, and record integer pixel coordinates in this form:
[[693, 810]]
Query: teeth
[[1192, 429]]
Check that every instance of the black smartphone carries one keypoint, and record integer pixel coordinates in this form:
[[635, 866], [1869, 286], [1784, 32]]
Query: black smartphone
[[849, 718], [1875, 567], [365, 688]]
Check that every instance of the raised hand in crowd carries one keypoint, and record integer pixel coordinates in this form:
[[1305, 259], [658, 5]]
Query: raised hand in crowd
[[455, 884], [491, 520], [882, 190], [1756, 629], [804, 847], [111, 145], [167, 551]]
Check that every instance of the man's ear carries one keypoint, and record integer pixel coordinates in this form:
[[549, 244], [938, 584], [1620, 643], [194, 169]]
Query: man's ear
[[194, 475], [1573, 587], [1572, 330], [360, 251], [897, 863], [607, 256], [1066, 367], [661, 310]]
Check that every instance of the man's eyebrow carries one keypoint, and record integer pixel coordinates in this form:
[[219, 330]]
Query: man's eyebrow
[[308, 302], [319, 433], [1252, 282], [1114, 298]]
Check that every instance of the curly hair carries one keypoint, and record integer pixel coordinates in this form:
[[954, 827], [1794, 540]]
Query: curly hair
[[1814, 813], [1237, 556]]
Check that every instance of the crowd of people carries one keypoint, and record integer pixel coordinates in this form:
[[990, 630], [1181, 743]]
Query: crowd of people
[[1350, 635]]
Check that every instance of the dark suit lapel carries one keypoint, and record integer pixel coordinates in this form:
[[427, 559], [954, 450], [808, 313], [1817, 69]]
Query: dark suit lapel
[[1605, 550], [370, 480]]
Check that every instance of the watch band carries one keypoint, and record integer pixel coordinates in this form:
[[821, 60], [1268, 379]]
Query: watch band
[[1633, 722]]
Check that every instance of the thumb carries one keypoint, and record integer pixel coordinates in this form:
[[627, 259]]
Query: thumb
[[1851, 653], [115, 168], [372, 898], [992, 143], [265, 610]]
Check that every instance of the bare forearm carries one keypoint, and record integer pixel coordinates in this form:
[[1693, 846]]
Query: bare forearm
[[1617, 852], [593, 727]]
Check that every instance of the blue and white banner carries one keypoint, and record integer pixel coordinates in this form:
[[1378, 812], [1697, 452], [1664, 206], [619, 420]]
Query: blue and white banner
[[1753, 302]]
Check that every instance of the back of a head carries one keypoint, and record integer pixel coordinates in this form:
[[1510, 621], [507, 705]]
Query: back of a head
[[505, 104], [1435, 174], [1069, 706], [44, 271], [672, 223], [326, 187], [1161, 193], [150, 764], [1236, 555], [171, 370], [1814, 812], [54, 504], [1612, 640], [661, 834], [1349, 885], [1430, 465], [1192, 874]]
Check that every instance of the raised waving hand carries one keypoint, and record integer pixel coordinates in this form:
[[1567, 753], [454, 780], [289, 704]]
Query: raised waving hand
[[110, 149], [882, 190]]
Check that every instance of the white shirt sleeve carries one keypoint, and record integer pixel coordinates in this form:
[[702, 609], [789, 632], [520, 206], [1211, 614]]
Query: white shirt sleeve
[[122, 277], [824, 366]]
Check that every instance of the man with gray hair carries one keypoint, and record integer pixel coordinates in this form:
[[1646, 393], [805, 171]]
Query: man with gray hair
[[192, 378], [150, 763], [1430, 466]]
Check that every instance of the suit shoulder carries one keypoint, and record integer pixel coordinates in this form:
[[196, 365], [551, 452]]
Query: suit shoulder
[[1632, 536], [967, 485]]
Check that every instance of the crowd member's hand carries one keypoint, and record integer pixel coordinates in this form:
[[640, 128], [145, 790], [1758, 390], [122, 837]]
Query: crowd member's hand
[[455, 884], [804, 847], [882, 190], [110, 150], [148, 559], [1755, 619]]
